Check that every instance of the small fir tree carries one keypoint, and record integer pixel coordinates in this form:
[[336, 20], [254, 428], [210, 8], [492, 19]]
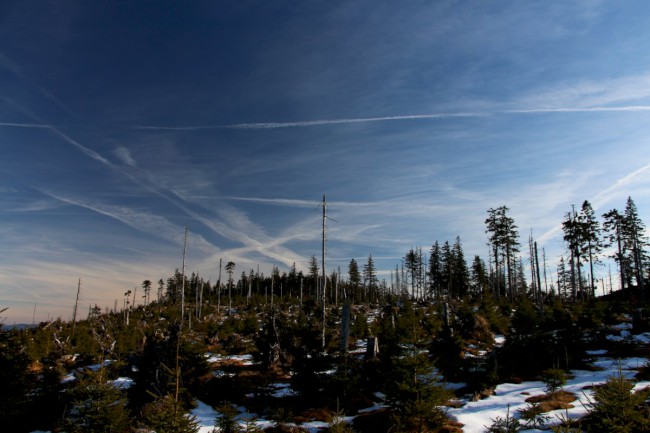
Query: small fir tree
[[166, 415], [616, 407]]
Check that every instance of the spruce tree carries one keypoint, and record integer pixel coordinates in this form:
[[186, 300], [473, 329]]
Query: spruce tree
[[573, 238], [413, 265], [370, 276], [96, 406], [435, 272], [459, 271], [354, 278], [635, 241], [504, 239], [613, 225], [591, 233], [478, 277], [166, 415], [618, 408]]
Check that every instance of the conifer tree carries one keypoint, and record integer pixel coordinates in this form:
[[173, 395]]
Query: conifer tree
[[435, 271], [166, 415], [563, 279], [459, 271], [96, 406], [446, 264], [370, 276], [573, 235], [613, 225], [413, 265], [354, 277], [478, 277], [504, 239], [591, 234], [230, 268], [314, 272], [617, 407], [635, 241]]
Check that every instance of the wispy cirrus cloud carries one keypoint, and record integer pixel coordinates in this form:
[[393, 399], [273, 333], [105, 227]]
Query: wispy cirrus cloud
[[143, 221], [124, 155], [603, 95]]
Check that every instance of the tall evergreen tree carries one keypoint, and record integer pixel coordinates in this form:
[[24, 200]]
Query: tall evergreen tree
[[563, 279], [370, 276], [354, 277], [435, 271], [446, 265], [459, 271], [633, 231], [504, 239], [573, 238], [413, 265], [314, 273], [591, 234], [478, 277], [230, 268], [613, 226]]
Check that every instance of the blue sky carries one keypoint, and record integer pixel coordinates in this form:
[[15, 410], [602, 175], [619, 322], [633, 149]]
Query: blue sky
[[121, 122]]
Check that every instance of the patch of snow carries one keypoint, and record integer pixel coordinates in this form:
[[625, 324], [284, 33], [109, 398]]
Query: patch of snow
[[68, 378], [453, 386], [315, 426], [205, 415], [123, 382], [246, 359], [622, 326], [282, 390], [477, 415], [374, 408], [626, 363], [643, 338], [96, 367]]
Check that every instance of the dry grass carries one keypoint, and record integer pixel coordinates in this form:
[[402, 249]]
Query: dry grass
[[553, 401]]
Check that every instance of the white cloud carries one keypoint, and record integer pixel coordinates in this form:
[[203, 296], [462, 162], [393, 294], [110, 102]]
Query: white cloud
[[124, 155]]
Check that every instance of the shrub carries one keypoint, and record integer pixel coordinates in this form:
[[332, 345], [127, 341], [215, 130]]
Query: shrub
[[616, 407], [554, 379]]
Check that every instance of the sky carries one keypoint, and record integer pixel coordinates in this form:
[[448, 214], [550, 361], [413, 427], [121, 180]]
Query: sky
[[123, 122]]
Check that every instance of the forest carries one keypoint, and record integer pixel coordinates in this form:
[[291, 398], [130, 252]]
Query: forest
[[348, 342]]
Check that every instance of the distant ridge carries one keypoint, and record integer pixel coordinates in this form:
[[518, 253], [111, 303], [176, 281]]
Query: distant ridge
[[20, 326]]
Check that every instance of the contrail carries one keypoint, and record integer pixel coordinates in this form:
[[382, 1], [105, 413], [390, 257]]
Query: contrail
[[603, 196], [577, 110], [307, 123], [24, 125], [300, 124]]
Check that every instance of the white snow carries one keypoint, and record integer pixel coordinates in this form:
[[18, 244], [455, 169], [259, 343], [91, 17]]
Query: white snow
[[231, 359], [477, 415]]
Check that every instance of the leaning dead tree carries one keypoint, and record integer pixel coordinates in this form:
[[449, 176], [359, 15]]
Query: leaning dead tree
[[324, 285], [76, 304]]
